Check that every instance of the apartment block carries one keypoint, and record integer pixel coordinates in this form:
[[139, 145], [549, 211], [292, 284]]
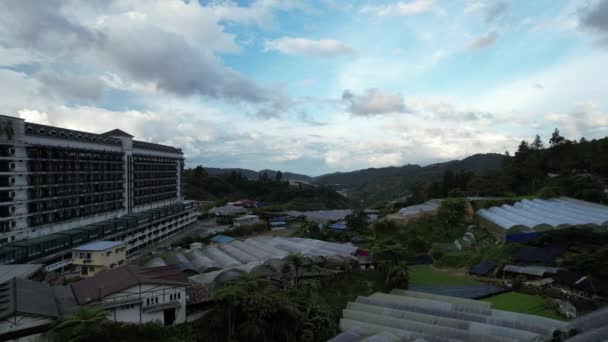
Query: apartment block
[[60, 188]]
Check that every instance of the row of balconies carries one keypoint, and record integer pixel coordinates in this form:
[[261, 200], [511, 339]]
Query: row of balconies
[[71, 154], [44, 179], [142, 184], [54, 204], [71, 190], [72, 213], [154, 198], [154, 167], [71, 166]]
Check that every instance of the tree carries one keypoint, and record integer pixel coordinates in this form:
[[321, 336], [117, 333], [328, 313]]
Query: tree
[[200, 172], [537, 144], [357, 221], [278, 176], [293, 264], [87, 321], [253, 309], [522, 149], [398, 276], [556, 139]]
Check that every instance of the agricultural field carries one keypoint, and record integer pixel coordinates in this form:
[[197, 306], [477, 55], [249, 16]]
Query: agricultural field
[[523, 303], [425, 275]]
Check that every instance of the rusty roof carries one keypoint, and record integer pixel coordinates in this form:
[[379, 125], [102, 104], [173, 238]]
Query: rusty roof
[[122, 278]]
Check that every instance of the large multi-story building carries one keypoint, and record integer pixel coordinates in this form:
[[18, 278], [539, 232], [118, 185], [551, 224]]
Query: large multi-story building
[[61, 187]]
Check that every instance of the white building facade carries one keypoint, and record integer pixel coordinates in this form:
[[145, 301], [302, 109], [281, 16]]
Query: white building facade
[[57, 182]]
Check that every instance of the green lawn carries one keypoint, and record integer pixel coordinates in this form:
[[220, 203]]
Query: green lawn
[[523, 303], [425, 275]]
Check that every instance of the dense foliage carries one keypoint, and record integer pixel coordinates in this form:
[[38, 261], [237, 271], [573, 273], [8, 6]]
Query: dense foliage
[[565, 168], [199, 185]]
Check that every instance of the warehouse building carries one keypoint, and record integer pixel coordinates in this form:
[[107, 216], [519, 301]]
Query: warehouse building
[[60, 188]]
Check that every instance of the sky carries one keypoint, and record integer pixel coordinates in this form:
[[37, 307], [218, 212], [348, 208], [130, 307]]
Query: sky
[[310, 86]]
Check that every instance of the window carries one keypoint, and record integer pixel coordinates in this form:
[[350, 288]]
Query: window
[[147, 301], [179, 295], [156, 298]]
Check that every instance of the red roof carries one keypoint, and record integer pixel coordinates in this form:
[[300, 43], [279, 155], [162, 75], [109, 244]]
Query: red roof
[[122, 278]]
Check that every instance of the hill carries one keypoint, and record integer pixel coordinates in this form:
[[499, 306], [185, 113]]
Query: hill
[[250, 174], [382, 184]]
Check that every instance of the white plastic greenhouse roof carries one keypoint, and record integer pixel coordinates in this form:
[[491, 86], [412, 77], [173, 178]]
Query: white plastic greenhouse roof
[[245, 255], [539, 214], [420, 208], [412, 316]]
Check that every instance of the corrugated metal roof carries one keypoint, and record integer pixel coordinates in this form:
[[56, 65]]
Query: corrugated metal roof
[[99, 245], [21, 271], [531, 270], [27, 297], [111, 281]]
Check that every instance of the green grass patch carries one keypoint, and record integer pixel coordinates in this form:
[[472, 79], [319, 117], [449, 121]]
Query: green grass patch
[[424, 275], [523, 303]]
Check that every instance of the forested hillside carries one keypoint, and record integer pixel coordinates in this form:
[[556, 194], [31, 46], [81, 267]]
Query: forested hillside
[[250, 174], [275, 191], [564, 167], [376, 185]]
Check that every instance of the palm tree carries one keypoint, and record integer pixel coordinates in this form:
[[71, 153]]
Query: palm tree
[[294, 261], [79, 325]]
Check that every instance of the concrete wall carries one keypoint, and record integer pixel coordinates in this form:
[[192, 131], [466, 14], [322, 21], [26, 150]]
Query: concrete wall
[[135, 313]]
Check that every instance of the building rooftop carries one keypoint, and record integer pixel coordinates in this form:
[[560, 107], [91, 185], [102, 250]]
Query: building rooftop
[[21, 271], [27, 297], [117, 133], [540, 215], [418, 316], [107, 138], [221, 239], [111, 281], [99, 245]]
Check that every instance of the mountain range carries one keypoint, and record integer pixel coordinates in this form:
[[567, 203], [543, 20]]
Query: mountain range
[[385, 183]]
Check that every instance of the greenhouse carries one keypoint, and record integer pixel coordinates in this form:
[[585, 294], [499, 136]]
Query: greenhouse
[[409, 315], [541, 215], [263, 255]]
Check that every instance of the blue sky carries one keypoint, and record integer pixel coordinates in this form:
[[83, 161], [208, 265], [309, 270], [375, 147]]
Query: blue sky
[[311, 86]]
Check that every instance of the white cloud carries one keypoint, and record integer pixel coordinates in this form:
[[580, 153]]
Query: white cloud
[[474, 7], [309, 47], [484, 41], [406, 8], [374, 101]]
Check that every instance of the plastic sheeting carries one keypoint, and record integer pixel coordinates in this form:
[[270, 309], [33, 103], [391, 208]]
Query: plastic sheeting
[[155, 262], [201, 262], [540, 214]]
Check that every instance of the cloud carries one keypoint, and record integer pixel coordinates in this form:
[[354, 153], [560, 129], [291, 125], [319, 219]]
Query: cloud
[[596, 17], [374, 101], [446, 111], [86, 88], [495, 11], [40, 25], [309, 47], [169, 44], [585, 120], [484, 41], [400, 8], [473, 7]]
